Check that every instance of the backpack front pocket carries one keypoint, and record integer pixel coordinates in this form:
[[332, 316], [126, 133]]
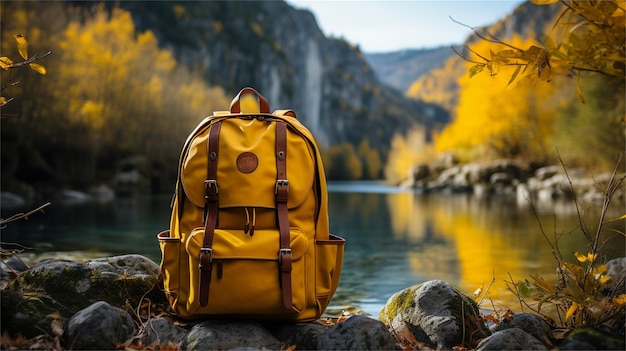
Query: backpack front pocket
[[245, 272]]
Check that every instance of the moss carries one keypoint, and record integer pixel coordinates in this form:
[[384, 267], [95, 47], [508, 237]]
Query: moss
[[402, 301], [28, 314]]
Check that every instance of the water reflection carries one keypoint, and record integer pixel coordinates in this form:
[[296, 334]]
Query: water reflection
[[398, 239], [395, 239]]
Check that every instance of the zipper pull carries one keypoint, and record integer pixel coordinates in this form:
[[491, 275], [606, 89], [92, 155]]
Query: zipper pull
[[253, 221], [246, 227]]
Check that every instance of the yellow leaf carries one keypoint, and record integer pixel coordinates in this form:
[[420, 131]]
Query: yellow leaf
[[38, 68], [514, 75], [571, 311], [604, 278], [620, 300], [5, 62], [599, 269], [580, 257], [22, 45], [476, 69], [579, 91], [3, 101], [588, 258], [617, 219]]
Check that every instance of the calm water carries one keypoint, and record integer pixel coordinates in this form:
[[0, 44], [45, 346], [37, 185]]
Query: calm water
[[395, 239]]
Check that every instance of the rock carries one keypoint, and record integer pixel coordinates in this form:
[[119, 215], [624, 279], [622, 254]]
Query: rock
[[419, 172], [616, 269], [546, 172], [11, 201], [357, 333], [162, 332], [530, 323], [76, 285], [586, 338], [502, 178], [9, 268], [132, 176], [69, 197], [303, 335], [27, 314], [511, 339], [225, 335], [99, 327], [437, 315]]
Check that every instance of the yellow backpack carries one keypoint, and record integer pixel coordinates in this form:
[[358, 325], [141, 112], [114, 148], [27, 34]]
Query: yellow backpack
[[249, 230]]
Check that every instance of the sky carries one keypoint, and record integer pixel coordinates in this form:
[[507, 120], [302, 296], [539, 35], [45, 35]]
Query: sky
[[383, 26]]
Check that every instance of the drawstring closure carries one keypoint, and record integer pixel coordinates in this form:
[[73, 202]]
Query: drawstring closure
[[247, 228]]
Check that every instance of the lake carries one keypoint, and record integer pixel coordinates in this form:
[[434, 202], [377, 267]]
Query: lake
[[395, 238]]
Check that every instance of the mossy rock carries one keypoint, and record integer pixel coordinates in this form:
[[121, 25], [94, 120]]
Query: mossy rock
[[28, 314], [118, 280], [437, 315]]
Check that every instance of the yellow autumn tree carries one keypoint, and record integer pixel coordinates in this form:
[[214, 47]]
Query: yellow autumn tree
[[406, 151], [587, 36], [112, 93], [496, 120], [370, 158]]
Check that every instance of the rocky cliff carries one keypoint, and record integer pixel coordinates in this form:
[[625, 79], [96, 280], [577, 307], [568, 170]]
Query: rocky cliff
[[281, 52]]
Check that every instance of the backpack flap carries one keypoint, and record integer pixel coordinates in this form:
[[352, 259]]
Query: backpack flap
[[247, 160]]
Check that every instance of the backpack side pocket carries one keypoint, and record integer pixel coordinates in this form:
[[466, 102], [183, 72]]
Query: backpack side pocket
[[170, 255], [329, 256]]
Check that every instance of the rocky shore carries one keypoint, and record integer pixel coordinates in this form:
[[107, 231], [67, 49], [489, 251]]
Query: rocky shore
[[508, 177], [115, 303]]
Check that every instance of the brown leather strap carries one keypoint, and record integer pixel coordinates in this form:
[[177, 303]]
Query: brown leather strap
[[211, 209], [282, 195]]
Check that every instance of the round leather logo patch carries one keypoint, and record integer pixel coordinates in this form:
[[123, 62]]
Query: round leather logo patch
[[247, 162]]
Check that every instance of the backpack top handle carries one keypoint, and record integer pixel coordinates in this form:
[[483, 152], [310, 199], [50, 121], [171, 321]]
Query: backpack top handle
[[235, 105]]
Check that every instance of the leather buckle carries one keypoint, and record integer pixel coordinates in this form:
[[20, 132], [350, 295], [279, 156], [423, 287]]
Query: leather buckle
[[204, 252], [210, 184], [282, 252], [281, 183]]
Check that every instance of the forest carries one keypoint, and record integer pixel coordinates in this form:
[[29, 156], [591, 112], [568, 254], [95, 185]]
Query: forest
[[113, 93]]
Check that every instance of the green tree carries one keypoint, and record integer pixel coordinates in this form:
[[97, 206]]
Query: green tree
[[592, 134]]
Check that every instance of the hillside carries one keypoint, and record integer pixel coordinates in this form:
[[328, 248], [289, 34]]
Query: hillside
[[399, 69], [281, 52], [439, 86]]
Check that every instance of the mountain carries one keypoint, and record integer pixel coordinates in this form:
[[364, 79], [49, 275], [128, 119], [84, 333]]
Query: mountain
[[280, 51], [399, 69], [439, 86]]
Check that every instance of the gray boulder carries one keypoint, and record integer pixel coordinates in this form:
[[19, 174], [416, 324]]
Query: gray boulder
[[357, 333], [511, 339], [303, 335], [437, 316], [587, 338], [530, 323], [99, 327], [161, 331], [225, 335]]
